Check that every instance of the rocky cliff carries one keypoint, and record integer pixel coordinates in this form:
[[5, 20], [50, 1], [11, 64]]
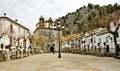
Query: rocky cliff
[[89, 17]]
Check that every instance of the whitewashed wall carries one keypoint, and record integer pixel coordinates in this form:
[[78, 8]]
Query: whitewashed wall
[[105, 38], [18, 32], [4, 29]]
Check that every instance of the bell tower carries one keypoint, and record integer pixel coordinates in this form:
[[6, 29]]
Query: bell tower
[[50, 22], [41, 21]]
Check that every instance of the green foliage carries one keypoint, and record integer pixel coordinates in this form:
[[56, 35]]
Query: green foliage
[[90, 6], [116, 7], [66, 33], [50, 20], [74, 22], [77, 10], [109, 8], [97, 6], [90, 17], [100, 13], [81, 25], [84, 6], [93, 14]]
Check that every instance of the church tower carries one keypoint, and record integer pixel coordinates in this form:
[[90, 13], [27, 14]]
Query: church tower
[[41, 22]]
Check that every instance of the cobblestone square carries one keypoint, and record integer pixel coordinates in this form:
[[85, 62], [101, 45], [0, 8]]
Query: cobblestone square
[[68, 62]]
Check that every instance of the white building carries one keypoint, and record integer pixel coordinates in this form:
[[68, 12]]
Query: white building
[[101, 40], [14, 34], [105, 41], [96, 41]]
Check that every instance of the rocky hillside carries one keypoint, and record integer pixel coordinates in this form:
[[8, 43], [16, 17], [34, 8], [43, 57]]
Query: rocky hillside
[[89, 17]]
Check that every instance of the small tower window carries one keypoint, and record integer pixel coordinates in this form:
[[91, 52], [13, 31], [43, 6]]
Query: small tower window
[[11, 28]]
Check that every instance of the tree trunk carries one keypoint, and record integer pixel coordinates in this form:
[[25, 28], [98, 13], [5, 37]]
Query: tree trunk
[[10, 41], [24, 45], [116, 47]]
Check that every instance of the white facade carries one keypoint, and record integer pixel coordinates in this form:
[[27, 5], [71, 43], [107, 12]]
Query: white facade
[[83, 43], [13, 33], [105, 39], [99, 39]]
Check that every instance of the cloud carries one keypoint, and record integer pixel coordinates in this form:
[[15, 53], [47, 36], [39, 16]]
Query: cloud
[[28, 11]]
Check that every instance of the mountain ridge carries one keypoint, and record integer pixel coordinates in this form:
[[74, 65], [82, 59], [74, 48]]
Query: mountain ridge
[[89, 17]]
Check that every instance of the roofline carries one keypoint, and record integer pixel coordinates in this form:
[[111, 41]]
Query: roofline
[[44, 22], [15, 22], [45, 28], [103, 32]]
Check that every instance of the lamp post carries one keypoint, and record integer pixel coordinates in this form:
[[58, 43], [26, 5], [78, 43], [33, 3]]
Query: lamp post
[[59, 28]]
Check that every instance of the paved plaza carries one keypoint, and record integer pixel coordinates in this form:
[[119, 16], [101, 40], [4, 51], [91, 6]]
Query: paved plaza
[[68, 62]]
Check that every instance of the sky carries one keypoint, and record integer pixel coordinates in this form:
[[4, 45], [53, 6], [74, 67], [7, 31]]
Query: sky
[[28, 12]]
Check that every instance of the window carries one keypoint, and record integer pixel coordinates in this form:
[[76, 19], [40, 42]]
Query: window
[[100, 40], [82, 42], [104, 43], [68, 43], [98, 44], [11, 28], [91, 39], [95, 48], [107, 48], [88, 48], [91, 47], [24, 31], [107, 39], [18, 29], [87, 45], [94, 40], [67, 32]]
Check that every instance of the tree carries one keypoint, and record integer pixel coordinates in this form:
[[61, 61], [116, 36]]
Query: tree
[[89, 17], [103, 11], [31, 38], [39, 41], [80, 25], [105, 22], [97, 6], [3, 29], [109, 8], [50, 21], [116, 7], [90, 6]]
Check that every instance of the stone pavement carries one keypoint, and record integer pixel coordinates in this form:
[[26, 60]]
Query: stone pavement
[[68, 62]]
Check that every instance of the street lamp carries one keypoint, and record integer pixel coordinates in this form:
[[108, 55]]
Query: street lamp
[[59, 28]]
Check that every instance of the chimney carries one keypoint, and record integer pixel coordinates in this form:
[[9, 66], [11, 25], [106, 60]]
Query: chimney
[[16, 20], [4, 14]]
